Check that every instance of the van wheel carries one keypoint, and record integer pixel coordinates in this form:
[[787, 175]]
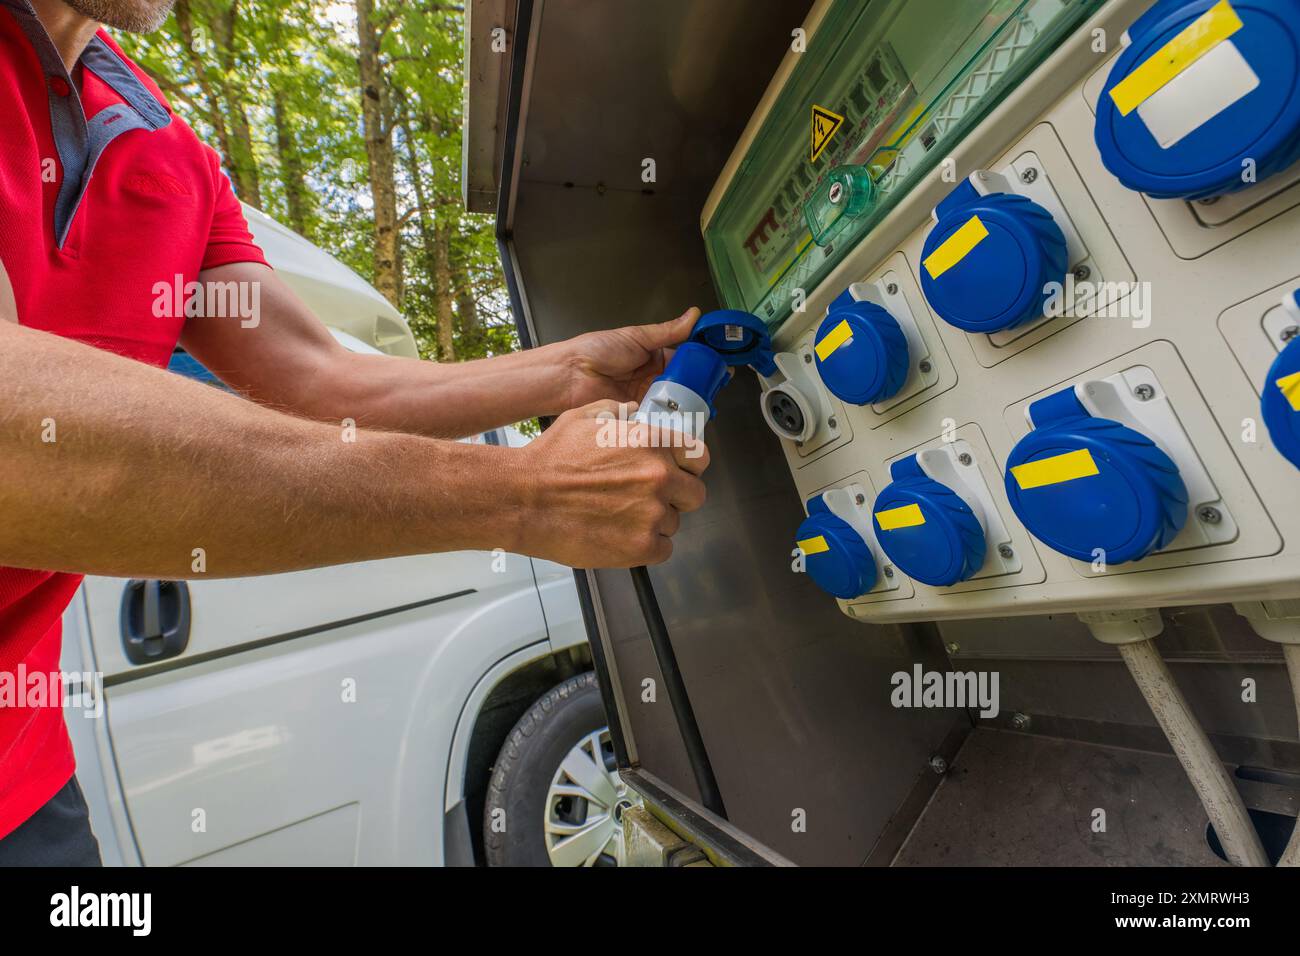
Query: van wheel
[[555, 798]]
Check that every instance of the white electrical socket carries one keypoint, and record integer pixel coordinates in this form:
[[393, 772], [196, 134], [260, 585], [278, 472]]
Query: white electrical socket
[[794, 378]]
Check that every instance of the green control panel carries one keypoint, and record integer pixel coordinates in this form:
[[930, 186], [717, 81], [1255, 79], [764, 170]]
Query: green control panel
[[880, 95]]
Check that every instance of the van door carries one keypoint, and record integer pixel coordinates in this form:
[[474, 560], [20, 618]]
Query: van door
[[274, 719]]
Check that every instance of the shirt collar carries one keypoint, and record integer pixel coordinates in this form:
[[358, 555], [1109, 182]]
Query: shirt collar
[[99, 58]]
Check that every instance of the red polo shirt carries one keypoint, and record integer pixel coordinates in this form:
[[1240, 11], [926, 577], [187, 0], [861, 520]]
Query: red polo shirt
[[104, 193]]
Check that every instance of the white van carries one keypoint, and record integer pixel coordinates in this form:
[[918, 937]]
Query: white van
[[374, 713]]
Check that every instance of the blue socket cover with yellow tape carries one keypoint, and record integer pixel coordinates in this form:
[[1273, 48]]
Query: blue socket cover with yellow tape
[[835, 556], [1092, 488], [1281, 402], [927, 529], [1205, 100], [989, 259], [861, 352]]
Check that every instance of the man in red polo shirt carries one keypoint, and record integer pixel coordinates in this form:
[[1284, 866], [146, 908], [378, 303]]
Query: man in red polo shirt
[[104, 194]]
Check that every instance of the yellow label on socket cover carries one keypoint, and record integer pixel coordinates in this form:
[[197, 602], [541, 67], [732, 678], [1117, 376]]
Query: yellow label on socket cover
[[834, 339], [1158, 70], [908, 516], [811, 546], [1290, 386], [956, 247], [1055, 470]]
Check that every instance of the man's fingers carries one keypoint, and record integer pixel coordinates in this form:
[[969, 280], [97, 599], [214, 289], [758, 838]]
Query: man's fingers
[[664, 335], [685, 492], [691, 454]]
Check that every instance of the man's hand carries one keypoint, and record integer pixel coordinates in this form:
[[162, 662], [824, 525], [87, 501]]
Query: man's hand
[[620, 364], [592, 502]]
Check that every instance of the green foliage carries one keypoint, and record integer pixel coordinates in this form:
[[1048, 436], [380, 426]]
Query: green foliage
[[274, 87]]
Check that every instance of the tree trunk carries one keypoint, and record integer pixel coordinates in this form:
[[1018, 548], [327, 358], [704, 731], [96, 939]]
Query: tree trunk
[[379, 154], [435, 243], [292, 169], [466, 303], [442, 292], [225, 99], [185, 23], [225, 26]]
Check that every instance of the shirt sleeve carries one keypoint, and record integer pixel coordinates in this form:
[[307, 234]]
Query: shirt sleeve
[[229, 239]]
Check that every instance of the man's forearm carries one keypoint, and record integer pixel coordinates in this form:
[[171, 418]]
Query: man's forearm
[[287, 359], [450, 400], [111, 467]]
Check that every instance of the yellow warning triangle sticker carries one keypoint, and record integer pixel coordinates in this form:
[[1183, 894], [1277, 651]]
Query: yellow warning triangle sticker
[[825, 124]]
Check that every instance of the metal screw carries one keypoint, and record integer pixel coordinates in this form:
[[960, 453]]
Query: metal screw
[[953, 647], [807, 358], [798, 444], [1290, 332], [964, 458], [1006, 551], [1210, 515], [1208, 201], [938, 764], [831, 422], [860, 499], [1081, 274], [672, 405], [1020, 721], [889, 572], [1144, 392], [1029, 175], [892, 288], [925, 367]]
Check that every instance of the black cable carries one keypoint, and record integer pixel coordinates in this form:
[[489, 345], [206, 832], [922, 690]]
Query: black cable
[[687, 726]]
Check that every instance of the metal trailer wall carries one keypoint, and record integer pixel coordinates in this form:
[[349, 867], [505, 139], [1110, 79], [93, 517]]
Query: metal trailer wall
[[791, 696]]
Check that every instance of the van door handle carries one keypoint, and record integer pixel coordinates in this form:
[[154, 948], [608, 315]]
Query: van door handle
[[155, 620]]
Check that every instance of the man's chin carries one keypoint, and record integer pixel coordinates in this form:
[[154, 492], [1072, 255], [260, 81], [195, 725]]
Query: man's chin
[[133, 16]]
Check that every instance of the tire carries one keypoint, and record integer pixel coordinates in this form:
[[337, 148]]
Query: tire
[[561, 742]]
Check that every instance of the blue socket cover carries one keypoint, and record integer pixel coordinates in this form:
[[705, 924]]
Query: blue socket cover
[[720, 339], [1084, 485], [1281, 402], [836, 557], [926, 528], [741, 338], [861, 352], [1237, 39], [988, 260]]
